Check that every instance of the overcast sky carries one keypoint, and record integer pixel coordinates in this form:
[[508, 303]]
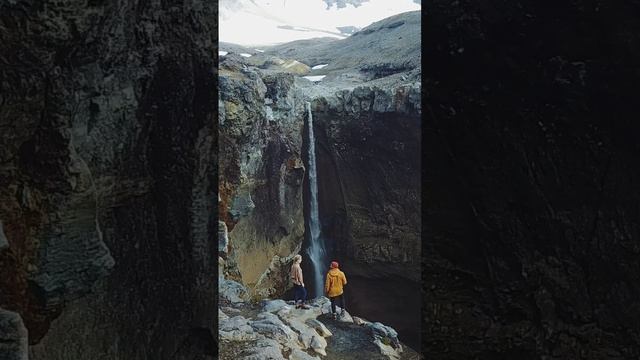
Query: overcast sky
[[255, 22]]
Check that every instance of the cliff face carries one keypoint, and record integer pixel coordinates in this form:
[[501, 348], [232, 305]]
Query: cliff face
[[107, 177], [531, 243], [261, 178], [369, 196]]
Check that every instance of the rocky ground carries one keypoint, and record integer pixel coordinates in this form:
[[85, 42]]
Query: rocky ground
[[275, 329]]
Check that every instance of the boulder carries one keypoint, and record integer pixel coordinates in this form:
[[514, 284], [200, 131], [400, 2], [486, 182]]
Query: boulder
[[232, 291], [319, 344], [360, 321], [387, 350], [305, 333], [222, 316], [301, 355], [386, 338], [13, 337], [319, 327], [274, 305], [343, 315], [236, 329], [272, 327], [264, 349], [322, 303], [230, 310]]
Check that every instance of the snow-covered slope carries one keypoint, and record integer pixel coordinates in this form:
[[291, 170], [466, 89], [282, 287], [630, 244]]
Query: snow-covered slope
[[269, 22]]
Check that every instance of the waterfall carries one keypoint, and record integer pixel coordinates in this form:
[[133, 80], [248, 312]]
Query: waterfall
[[316, 250]]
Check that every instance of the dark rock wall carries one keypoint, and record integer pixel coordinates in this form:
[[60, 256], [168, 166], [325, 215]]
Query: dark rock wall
[[531, 197], [107, 177], [14, 342], [368, 161]]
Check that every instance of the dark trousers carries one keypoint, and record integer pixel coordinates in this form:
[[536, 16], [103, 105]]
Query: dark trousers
[[299, 293], [334, 300]]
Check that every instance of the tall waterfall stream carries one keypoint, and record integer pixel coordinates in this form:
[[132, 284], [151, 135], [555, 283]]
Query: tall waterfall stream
[[316, 249]]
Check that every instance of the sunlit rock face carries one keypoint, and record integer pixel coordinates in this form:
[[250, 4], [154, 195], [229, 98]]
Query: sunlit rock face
[[107, 178], [531, 240]]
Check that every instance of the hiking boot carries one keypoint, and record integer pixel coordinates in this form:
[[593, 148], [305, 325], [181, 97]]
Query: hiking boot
[[305, 307]]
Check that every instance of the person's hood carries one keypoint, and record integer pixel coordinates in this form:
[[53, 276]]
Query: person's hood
[[334, 272]]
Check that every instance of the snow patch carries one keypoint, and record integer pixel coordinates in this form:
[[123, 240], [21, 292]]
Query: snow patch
[[245, 55], [315, 78], [319, 66], [222, 53], [258, 50], [303, 19]]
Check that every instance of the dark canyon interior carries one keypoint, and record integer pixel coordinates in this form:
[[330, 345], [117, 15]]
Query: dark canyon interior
[[531, 198], [369, 199]]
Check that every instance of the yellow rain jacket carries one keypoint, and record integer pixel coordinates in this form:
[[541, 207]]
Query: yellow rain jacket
[[334, 283]]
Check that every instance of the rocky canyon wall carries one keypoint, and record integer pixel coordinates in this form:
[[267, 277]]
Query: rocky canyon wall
[[260, 185], [531, 239], [107, 177], [369, 143]]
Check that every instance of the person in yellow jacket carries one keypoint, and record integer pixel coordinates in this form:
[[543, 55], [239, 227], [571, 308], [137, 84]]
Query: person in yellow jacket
[[334, 287]]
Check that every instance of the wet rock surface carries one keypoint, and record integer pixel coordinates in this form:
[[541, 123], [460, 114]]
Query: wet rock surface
[[530, 250]]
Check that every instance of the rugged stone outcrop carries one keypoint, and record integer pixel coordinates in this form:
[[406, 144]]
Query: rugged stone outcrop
[[107, 177], [14, 342], [276, 330], [261, 179], [532, 242]]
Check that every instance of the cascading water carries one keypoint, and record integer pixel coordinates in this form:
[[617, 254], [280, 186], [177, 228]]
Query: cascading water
[[316, 250]]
